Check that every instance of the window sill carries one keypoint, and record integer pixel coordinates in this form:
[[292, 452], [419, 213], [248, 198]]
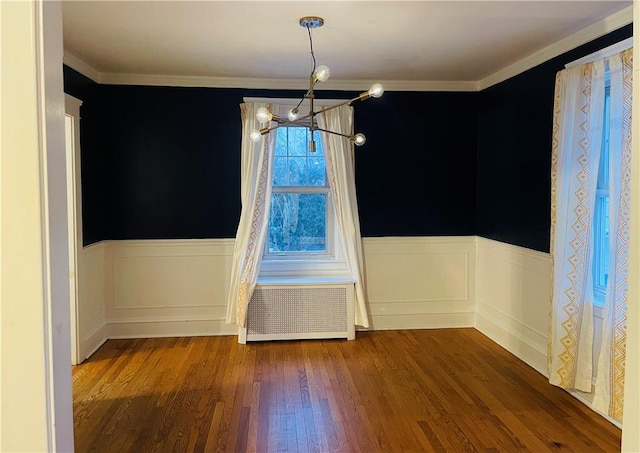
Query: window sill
[[317, 280], [282, 268]]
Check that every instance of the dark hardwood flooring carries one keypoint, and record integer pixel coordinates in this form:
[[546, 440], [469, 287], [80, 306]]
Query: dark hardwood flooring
[[449, 390]]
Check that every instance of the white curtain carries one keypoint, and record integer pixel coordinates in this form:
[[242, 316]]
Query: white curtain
[[609, 388], [577, 138], [256, 175], [341, 174], [577, 142]]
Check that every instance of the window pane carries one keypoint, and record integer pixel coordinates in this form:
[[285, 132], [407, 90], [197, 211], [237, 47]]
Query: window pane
[[601, 212], [281, 141], [317, 171], [603, 168], [297, 171], [297, 222], [294, 164], [319, 146], [298, 141], [280, 171]]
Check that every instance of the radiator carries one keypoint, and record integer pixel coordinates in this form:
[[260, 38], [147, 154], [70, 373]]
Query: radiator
[[300, 311]]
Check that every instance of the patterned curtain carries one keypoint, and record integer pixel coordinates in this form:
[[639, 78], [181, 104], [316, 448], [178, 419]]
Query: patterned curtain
[[609, 391], [577, 142], [341, 174], [256, 174]]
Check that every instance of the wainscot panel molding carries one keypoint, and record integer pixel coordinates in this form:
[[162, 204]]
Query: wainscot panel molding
[[155, 288], [164, 288], [92, 321], [420, 282], [513, 295]]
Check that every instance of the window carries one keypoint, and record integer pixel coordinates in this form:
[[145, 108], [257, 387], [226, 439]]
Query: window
[[303, 239], [601, 213], [300, 218]]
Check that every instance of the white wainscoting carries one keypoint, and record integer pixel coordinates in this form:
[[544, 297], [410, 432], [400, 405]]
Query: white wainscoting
[[513, 294], [420, 282], [92, 321], [158, 288]]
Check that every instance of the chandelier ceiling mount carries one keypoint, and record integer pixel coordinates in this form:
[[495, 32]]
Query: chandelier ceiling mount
[[311, 22]]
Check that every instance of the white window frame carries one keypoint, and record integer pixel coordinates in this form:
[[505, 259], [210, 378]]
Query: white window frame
[[329, 252], [332, 262]]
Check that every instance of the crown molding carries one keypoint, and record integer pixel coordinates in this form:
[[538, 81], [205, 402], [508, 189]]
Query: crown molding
[[83, 68], [600, 28], [111, 78], [594, 31], [282, 84]]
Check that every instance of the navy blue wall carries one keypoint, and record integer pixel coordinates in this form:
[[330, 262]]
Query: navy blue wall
[[164, 162], [514, 151]]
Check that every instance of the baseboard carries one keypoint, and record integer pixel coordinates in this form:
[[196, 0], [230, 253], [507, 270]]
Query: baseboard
[[148, 328], [585, 401], [530, 353], [93, 342], [422, 321]]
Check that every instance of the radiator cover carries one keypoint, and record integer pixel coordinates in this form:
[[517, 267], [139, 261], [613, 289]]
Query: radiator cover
[[300, 311]]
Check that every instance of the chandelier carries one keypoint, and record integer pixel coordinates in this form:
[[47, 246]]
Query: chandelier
[[318, 74]]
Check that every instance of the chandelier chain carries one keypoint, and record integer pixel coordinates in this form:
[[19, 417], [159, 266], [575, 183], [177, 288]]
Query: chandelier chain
[[313, 55]]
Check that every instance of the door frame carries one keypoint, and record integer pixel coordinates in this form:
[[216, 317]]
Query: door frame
[[74, 207]]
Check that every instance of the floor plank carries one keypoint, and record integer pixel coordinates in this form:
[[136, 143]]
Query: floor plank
[[446, 390]]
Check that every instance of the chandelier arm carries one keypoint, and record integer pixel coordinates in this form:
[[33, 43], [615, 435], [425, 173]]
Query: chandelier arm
[[297, 121], [266, 130], [323, 109], [309, 92], [339, 104], [350, 137]]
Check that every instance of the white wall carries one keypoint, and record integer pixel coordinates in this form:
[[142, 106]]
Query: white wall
[[631, 431], [35, 348]]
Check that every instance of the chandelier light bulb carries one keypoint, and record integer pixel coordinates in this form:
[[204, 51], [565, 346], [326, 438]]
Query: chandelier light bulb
[[255, 136], [293, 114], [376, 90], [322, 73], [263, 115], [359, 139]]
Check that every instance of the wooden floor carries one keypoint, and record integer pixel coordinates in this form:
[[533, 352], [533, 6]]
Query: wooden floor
[[450, 390]]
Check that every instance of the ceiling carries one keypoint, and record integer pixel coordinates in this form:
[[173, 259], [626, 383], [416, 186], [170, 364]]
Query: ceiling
[[451, 41]]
